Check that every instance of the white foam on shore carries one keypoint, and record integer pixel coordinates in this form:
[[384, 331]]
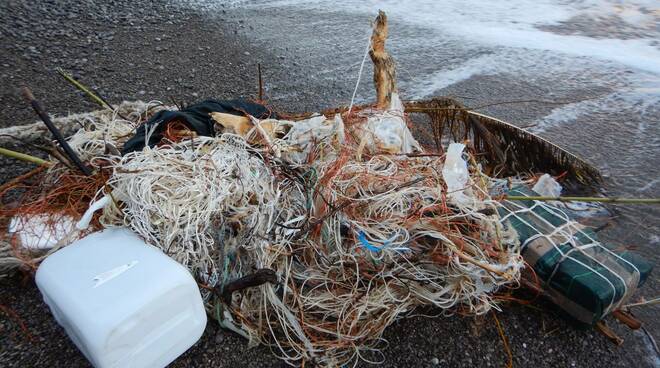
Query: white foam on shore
[[446, 77], [520, 44], [641, 97], [515, 24]]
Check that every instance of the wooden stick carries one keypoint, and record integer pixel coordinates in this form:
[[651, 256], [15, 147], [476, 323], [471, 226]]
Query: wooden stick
[[23, 157], [609, 333], [261, 276], [585, 199], [384, 69], [53, 129], [261, 83], [628, 320]]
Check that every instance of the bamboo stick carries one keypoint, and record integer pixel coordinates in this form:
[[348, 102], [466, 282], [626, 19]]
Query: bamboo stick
[[585, 199], [23, 156], [94, 97], [98, 100]]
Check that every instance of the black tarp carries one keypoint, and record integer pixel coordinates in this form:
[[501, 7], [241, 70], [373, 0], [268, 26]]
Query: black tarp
[[196, 117]]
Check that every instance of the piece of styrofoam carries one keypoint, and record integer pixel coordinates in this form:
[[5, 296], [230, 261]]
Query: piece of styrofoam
[[123, 302]]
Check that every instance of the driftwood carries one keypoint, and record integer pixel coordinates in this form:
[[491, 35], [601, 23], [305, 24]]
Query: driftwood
[[384, 68], [259, 277]]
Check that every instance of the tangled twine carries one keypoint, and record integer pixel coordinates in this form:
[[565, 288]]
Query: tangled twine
[[356, 238], [355, 244], [53, 194]]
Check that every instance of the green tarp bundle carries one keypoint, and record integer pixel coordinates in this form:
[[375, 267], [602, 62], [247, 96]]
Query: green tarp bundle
[[586, 278]]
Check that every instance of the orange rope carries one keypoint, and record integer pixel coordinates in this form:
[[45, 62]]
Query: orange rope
[[10, 312], [69, 194], [505, 342]]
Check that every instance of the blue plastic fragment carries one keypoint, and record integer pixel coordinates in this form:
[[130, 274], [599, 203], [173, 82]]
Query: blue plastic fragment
[[365, 243]]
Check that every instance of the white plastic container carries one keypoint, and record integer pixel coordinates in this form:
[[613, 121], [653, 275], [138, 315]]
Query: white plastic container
[[123, 303]]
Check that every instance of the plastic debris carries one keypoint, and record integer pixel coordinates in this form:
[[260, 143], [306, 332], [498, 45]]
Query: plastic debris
[[130, 305], [547, 186], [42, 231], [86, 218], [313, 138], [455, 173], [387, 131]]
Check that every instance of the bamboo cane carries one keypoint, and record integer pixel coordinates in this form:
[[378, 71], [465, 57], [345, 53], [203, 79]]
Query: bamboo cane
[[22, 156], [98, 100], [94, 97], [261, 83], [585, 199]]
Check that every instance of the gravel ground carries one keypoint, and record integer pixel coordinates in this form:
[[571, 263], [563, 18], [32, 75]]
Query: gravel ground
[[137, 50]]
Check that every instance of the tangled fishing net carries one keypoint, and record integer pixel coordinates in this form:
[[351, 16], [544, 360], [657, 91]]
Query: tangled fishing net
[[353, 238], [195, 202], [310, 236], [44, 202], [346, 235]]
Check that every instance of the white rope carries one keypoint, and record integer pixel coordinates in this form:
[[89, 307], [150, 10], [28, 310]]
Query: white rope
[[364, 59]]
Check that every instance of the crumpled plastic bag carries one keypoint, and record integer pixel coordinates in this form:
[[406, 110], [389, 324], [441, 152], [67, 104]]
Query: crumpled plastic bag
[[387, 131], [456, 175], [303, 135], [42, 231], [547, 186]]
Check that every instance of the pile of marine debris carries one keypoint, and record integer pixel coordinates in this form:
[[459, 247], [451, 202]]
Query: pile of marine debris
[[314, 233]]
